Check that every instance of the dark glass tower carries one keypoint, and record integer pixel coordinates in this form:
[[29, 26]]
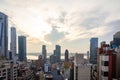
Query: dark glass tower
[[93, 50], [22, 48], [44, 52], [58, 53], [66, 55], [4, 35]]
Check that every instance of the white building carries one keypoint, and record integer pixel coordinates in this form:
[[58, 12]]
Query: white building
[[8, 71], [81, 69]]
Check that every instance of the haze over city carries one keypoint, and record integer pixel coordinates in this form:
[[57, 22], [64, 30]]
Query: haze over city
[[68, 23], [59, 39]]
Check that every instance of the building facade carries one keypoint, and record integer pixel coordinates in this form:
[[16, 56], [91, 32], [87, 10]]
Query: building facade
[[81, 69], [13, 43], [58, 53], [93, 50], [108, 63], [52, 59], [3, 35], [22, 48], [8, 71]]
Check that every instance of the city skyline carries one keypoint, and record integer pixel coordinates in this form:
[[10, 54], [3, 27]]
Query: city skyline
[[68, 23]]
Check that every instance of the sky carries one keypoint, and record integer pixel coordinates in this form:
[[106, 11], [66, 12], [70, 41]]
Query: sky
[[69, 23]]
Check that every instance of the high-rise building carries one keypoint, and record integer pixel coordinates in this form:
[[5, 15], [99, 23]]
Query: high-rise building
[[58, 53], [13, 43], [3, 35], [116, 39], [66, 55], [22, 48], [108, 63], [93, 50], [44, 52]]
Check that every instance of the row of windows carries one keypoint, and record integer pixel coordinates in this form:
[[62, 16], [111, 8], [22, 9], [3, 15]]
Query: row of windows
[[104, 73], [105, 63]]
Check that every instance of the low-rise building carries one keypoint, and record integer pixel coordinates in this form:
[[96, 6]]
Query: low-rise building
[[81, 69], [8, 70]]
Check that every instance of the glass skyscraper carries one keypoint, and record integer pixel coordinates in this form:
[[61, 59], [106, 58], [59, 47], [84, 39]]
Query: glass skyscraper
[[58, 53], [44, 52], [22, 48], [93, 50], [3, 35], [66, 55], [13, 43]]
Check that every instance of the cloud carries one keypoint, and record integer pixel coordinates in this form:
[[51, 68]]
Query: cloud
[[34, 44], [54, 36], [115, 23], [76, 25]]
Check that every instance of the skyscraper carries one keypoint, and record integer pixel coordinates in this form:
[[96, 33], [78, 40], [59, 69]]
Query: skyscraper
[[116, 39], [93, 50], [58, 53], [44, 52], [66, 55], [3, 35], [22, 48], [13, 42]]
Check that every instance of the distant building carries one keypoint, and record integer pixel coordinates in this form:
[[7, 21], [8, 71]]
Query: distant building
[[116, 39], [88, 55], [22, 48], [40, 62], [66, 55], [3, 35], [44, 52], [10, 55], [93, 50], [58, 53], [52, 59], [72, 71], [13, 43]]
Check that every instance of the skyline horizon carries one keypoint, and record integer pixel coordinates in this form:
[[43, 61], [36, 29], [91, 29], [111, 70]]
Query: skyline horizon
[[56, 44], [35, 56]]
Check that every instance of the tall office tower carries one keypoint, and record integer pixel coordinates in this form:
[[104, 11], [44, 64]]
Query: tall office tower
[[3, 35], [22, 48], [58, 53], [116, 39], [93, 50], [66, 55], [13, 43], [44, 52]]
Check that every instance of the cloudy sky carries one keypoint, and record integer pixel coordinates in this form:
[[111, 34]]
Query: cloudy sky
[[70, 23]]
